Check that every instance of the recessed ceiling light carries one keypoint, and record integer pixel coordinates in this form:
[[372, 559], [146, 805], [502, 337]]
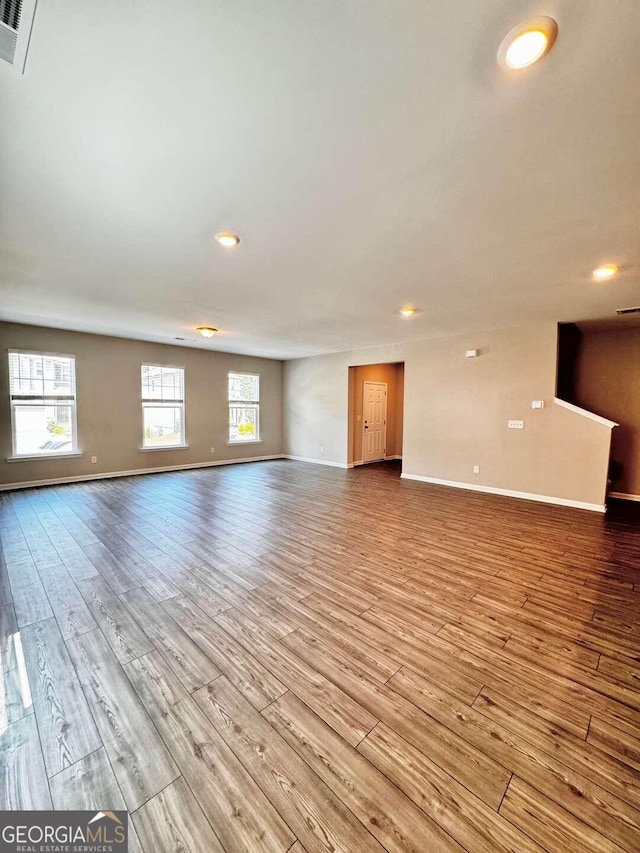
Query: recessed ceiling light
[[407, 311], [606, 271], [527, 43], [207, 331], [227, 238]]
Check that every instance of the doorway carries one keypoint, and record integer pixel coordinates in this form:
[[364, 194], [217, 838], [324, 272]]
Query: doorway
[[376, 407]]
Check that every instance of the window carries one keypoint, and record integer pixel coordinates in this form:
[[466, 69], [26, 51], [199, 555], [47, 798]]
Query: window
[[244, 407], [43, 403], [162, 406]]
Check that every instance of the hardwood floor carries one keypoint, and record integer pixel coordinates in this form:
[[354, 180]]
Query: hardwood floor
[[286, 657]]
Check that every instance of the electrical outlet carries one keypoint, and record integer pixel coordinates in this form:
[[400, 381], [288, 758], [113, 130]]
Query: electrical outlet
[[537, 404], [94, 460], [213, 450], [322, 448], [515, 424], [476, 469]]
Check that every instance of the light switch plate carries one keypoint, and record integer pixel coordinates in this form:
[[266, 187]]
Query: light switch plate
[[515, 424], [537, 404]]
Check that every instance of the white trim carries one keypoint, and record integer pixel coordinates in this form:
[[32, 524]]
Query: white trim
[[315, 461], [492, 490], [624, 496], [249, 441], [585, 414], [166, 447], [4, 487], [374, 461], [35, 456]]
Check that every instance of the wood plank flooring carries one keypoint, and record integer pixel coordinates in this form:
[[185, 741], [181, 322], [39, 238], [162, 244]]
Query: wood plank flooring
[[286, 657]]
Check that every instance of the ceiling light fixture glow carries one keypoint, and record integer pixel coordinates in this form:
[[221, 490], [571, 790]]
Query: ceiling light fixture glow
[[407, 311], [606, 271], [527, 43], [207, 331], [227, 239]]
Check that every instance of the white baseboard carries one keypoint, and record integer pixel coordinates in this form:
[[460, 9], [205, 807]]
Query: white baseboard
[[315, 461], [373, 461], [491, 490], [624, 496], [57, 481]]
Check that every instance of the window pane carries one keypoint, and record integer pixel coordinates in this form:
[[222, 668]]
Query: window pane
[[162, 383], [151, 382], [57, 374], [243, 423], [41, 375], [244, 387], [43, 429], [25, 373], [162, 426], [63, 415]]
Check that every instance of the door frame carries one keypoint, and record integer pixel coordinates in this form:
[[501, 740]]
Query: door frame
[[386, 415]]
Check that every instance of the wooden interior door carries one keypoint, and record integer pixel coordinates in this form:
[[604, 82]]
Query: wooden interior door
[[374, 416]]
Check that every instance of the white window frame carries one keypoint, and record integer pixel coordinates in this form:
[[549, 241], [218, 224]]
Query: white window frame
[[243, 403], [23, 400], [159, 403]]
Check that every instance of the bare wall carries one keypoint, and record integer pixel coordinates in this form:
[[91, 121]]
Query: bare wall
[[456, 412], [608, 383], [109, 403]]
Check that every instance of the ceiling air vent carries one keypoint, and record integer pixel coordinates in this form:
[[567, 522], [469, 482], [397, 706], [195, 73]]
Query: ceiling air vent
[[628, 310], [16, 20]]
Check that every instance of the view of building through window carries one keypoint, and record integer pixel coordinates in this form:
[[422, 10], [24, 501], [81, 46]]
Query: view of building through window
[[43, 403]]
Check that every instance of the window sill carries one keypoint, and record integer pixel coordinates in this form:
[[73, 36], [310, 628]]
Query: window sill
[[248, 441], [34, 456], [166, 447]]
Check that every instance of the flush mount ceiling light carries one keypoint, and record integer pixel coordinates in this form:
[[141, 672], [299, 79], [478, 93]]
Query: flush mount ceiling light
[[407, 311], [527, 43], [227, 239], [207, 331], [606, 271]]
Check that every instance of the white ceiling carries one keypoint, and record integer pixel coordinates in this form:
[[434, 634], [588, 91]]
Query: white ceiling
[[370, 153]]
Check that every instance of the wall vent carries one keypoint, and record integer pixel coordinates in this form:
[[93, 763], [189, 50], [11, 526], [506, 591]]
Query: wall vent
[[628, 310], [16, 21]]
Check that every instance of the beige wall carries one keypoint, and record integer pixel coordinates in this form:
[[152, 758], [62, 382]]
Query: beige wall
[[109, 408], [456, 412], [608, 383], [392, 375]]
